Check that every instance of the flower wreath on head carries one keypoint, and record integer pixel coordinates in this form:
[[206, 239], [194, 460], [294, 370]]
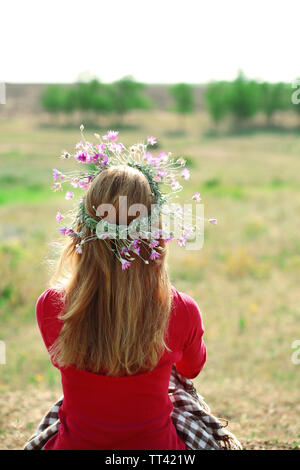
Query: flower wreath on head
[[159, 170]]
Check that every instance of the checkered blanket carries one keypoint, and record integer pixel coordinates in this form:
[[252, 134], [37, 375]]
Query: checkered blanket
[[195, 424]]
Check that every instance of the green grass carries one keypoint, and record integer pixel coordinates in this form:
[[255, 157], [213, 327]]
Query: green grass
[[245, 279]]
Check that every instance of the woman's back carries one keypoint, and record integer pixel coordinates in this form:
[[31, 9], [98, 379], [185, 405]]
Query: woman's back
[[125, 412]]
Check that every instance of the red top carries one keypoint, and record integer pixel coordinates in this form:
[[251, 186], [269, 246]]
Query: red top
[[129, 412]]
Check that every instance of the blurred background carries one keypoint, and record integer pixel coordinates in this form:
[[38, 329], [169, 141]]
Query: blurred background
[[217, 85]]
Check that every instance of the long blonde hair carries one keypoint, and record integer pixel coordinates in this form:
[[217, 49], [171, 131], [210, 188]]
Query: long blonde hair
[[114, 320]]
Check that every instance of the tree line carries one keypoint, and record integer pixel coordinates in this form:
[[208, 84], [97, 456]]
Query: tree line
[[240, 99]]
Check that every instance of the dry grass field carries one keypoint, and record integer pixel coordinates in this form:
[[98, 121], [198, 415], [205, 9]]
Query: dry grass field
[[245, 279]]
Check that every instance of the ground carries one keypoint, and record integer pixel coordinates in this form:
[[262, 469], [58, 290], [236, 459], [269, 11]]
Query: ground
[[245, 278]]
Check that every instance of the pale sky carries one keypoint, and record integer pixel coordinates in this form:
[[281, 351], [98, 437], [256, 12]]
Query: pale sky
[[155, 41]]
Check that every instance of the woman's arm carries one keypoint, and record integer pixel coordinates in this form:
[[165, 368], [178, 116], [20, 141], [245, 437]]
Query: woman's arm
[[194, 349]]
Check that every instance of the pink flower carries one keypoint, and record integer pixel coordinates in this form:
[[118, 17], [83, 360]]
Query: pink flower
[[125, 264], [161, 173], [81, 157], [100, 147], [169, 239], [213, 221], [92, 158], [74, 182], [185, 174], [59, 217], [163, 157], [135, 243], [188, 231], [175, 185], [57, 174], [151, 140], [154, 243], [70, 232], [79, 145], [111, 135], [154, 255], [104, 159], [196, 196], [181, 240], [148, 157], [69, 195], [57, 187], [63, 231], [120, 147], [84, 183], [135, 247], [78, 249]]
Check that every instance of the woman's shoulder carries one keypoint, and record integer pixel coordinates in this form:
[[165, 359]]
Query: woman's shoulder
[[185, 304], [186, 317], [48, 307], [50, 297]]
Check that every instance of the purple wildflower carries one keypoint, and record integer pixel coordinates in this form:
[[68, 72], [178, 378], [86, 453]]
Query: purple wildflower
[[148, 157], [81, 157], [63, 231], [196, 196], [181, 240], [59, 217], [74, 182], [135, 243], [111, 135], [169, 239], [57, 174], [69, 195], [104, 159], [185, 174], [100, 147], [79, 145], [137, 250], [57, 187], [78, 249], [151, 140], [122, 252], [84, 183], [163, 157], [125, 264], [154, 243], [213, 221], [154, 255], [175, 185]]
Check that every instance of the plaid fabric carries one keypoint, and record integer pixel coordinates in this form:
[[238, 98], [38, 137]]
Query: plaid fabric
[[191, 416]]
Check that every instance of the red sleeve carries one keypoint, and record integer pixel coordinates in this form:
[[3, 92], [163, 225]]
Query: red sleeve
[[48, 307], [194, 348]]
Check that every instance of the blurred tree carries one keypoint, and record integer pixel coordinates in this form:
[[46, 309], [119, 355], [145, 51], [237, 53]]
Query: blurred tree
[[216, 97], [273, 97], [89, 97], [184, 97], [184, 100], [68, 101], [93, 96], [293, 96], [126, 95], [52, 98], [243, 99]]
